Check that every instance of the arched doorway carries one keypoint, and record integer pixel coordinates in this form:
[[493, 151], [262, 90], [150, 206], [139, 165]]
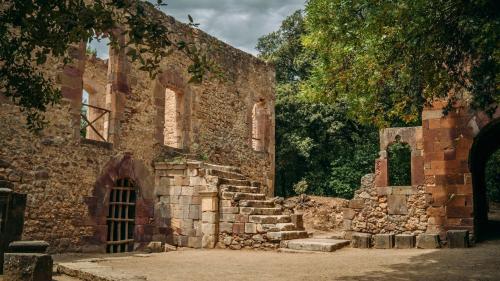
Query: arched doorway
[[122, 206], [486, 143]]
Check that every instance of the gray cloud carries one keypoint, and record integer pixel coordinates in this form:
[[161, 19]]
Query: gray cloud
[[237, 22]]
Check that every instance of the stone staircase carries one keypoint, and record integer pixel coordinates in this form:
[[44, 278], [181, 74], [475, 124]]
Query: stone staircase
[[242, 203]]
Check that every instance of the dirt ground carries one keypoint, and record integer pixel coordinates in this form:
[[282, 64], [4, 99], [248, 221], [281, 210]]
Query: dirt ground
[[478, 263], [320, 214]]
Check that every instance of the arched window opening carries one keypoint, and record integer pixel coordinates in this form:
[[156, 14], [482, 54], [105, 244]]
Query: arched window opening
[[121, 217], [259, 126], [174, 119], [399, 163]]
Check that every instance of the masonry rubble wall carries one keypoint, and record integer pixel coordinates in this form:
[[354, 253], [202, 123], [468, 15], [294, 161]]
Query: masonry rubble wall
[[67, 178], [378, 207]]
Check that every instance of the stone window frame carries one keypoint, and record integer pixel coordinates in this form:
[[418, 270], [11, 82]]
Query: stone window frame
[[117, 88], [409, 135], [263, 146], [172, 78]]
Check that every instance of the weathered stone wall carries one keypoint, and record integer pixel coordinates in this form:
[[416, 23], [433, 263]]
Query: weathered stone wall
[[389, 209], [380, 208], [448, 157], [67, 179]]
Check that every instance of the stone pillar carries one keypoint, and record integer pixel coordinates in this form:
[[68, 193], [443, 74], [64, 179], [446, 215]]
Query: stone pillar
[[210, 218]]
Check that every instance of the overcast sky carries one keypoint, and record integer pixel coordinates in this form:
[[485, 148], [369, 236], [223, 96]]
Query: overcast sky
[[237, 22]]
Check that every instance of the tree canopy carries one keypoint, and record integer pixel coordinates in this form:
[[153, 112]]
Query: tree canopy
[[31, 31], [387, 59], [319, 150]]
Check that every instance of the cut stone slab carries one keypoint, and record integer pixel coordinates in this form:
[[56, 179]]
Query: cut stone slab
[[28, 247], [27, 267], [428, 241], [383, 241], [93, 271], [361, 240], [317, 245], [270, 219], [405, 241], [458, 238], [286, 235]]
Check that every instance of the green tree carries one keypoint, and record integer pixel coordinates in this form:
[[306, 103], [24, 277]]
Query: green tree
[[386, 59], [319, 150], [33, 30]]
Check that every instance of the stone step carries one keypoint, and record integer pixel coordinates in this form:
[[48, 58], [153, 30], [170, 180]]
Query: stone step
[[260, 211], [224, 181], [261, 228], [242, 196], [230, 169], [286, 235], [226, 175], [270, 219], [235, 188], [256, 203], [315, 244]]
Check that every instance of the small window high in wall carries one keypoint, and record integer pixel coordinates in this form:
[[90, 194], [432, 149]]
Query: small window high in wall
[[399, 163], [259, 126], [174, 114]]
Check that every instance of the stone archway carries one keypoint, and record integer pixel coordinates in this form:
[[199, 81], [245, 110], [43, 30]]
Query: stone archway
[[486, 142], [121, 167]]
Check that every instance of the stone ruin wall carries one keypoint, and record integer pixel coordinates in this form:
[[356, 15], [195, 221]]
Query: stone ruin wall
[[192, 212], [380, 208], [58, 170]]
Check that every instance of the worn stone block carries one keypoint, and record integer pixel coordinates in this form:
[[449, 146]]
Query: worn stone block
[[298, 221], [348, 213], [396, 205], [356, 203], [405, 241], [194, 212], [384, 190], [209, 228], [193, 181], [230, 210], [250, 228], [402, 190], [187, 190], [226, 227], [210, 217], [209, 204], [457, 238], [208, 241], [238, 228], [361, 240], [428, 241], [225, 203], [155, 247], [383, 241], [27, 267], [181, 180], [228, 217]]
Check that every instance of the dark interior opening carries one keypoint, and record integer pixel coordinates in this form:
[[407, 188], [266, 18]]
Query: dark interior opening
[[486, 143]]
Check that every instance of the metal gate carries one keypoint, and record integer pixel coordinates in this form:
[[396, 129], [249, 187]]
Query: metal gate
[[121, 217]]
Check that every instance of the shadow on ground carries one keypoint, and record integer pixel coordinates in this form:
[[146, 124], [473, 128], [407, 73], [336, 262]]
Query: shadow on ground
[[445, 264]]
